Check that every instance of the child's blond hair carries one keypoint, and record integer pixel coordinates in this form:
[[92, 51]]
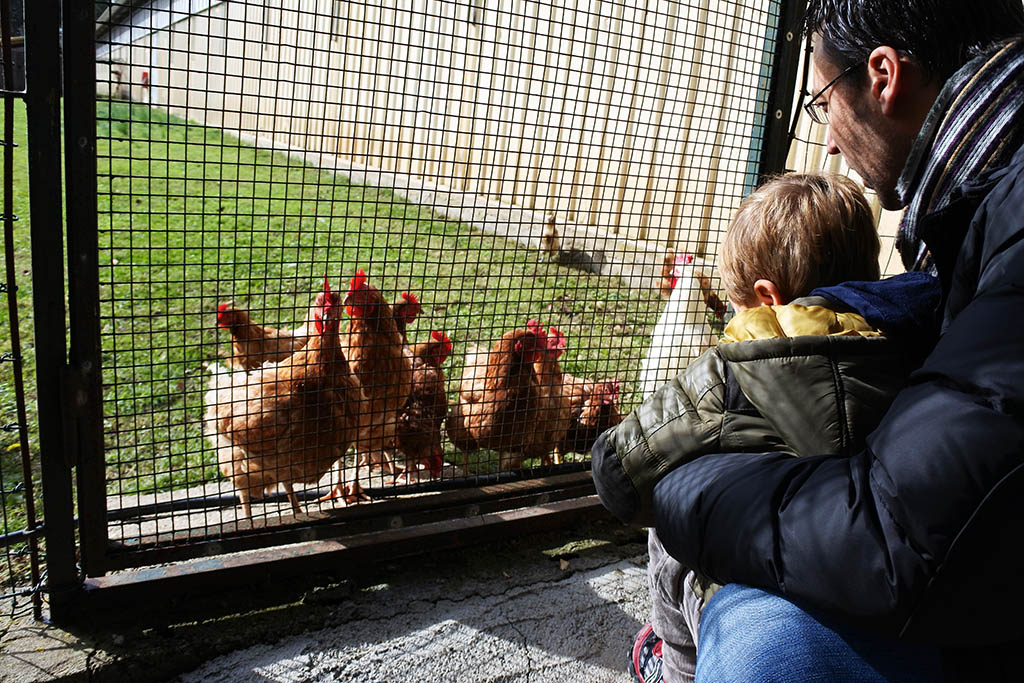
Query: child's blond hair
[[800, 231]]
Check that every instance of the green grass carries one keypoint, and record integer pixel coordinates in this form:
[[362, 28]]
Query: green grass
[[190, 216]]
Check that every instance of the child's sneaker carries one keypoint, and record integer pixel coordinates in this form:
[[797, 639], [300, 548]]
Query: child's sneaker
[[645, 656]]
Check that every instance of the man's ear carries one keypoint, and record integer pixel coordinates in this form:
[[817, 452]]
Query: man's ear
[[886, 77], [768, 294]]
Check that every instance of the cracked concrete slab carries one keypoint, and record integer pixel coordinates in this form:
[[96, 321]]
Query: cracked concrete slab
[[574, 628], [551, 607]]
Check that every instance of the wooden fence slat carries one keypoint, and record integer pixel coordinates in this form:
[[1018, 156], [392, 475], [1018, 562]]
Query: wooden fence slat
[[692, 87], [576, 186], [647, 205], [604, 119], [625, 165], [540, 105]]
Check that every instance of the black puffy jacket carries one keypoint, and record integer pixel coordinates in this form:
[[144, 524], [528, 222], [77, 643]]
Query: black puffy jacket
[[921, 535]]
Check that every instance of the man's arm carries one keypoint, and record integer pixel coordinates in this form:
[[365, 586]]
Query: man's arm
[[883, 534]]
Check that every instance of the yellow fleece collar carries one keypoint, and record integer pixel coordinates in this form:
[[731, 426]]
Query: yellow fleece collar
[[794, 320]]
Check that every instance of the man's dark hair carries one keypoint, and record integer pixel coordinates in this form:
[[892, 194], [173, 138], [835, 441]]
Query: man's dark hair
[[941, 35]]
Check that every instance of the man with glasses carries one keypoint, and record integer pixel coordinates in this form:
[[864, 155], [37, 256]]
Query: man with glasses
[[905, 561]]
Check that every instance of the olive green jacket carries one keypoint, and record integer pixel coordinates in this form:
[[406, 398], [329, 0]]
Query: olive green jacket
[[799, 378]]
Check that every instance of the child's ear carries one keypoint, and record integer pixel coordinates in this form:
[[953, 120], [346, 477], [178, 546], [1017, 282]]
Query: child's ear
[[768, 294]]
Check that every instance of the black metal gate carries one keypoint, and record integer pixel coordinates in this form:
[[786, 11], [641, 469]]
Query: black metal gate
[[21, 528], [497, 172]]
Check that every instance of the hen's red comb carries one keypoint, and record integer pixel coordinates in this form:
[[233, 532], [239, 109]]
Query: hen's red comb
[[533, 325], [222, 310], [358, 282], [446, 343], [410, 297], [327, 285]]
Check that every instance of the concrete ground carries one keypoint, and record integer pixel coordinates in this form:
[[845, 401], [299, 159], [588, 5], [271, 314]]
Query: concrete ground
[[551, 607]]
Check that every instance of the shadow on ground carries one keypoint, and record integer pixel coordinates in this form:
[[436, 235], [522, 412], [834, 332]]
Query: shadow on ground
[[552, 607]]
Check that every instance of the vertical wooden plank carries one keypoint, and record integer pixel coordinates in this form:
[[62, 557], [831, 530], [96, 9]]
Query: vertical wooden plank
[[411, 89], [538, 157], [386, 84], [321, 76], [219, 66], [350, 78], [624, 176], [425, 75], [576, 185], [269, 75], [509, 95], [526, 115], [712, 186], [560, 94], [472, 177], [503, 37], [377, 60], [335, 71], [594, 213], [647, 208], [440, 77], [447, 99], [692, 87], [251, 37]]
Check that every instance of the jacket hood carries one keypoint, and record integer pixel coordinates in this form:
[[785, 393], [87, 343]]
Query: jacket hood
[[819, 388], [905, 304]]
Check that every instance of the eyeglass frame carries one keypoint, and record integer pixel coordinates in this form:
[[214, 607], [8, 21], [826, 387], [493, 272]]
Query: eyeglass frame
[[814, 107]]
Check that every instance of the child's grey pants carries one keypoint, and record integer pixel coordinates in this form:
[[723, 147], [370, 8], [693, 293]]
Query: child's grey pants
[[675, 611]]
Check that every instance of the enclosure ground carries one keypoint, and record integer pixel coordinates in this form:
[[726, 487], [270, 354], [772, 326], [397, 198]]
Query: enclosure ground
[[554, 607]]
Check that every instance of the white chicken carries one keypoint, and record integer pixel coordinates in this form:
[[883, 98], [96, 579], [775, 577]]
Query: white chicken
[[683, 331]]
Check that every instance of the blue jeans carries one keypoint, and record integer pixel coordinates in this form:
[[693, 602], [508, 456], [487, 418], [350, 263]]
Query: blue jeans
[[752, 636]]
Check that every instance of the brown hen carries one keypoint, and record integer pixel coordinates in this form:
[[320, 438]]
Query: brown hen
[[405, 311], [253, 345], [593, 406], [381, 364], [504, 406], [418, 434], [286, 422]]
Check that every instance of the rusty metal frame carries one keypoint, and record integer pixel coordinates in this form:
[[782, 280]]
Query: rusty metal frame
[[386, 515], [104, 596], [83, 390]]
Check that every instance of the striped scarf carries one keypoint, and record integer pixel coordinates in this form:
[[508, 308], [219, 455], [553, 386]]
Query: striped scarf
[[976, 124]]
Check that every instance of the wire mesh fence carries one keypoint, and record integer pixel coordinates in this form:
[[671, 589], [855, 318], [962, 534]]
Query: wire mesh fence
[[459, 232], [449, 228]]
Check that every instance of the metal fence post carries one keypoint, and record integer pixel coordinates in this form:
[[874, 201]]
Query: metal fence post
[[42, 38], [86, 396], [785, 61]]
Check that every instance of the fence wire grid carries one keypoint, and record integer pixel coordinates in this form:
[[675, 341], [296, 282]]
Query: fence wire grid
[[351, 252]]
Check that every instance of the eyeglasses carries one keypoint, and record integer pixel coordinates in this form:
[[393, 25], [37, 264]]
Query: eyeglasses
[[818, 111]]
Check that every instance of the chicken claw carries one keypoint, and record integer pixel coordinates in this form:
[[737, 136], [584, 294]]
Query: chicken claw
[[347, 493]]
